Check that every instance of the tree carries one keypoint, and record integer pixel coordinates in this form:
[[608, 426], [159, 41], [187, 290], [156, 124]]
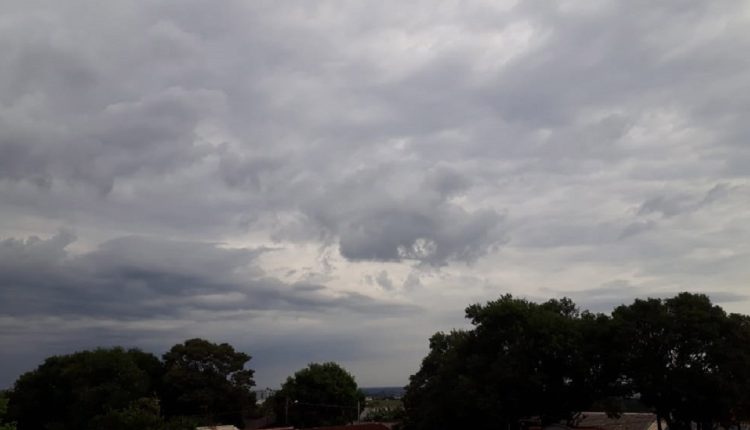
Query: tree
[[734, 356], [209, 381], [69, 391], [318, 395], [441, 394], [686, 359], [520, 360], [143, 414]]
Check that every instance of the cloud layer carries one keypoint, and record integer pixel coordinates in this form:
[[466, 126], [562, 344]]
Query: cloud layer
[[345, 178]]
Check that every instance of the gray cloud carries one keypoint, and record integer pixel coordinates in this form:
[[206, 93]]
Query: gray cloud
[[132, 286], [463, 150], [136, 277], [608, 296], [384, 281]]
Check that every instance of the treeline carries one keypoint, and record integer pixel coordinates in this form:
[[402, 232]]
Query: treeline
[[195, 382], [521, 365], [526, 364]]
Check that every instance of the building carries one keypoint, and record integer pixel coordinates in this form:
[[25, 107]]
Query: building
[[600, 421]]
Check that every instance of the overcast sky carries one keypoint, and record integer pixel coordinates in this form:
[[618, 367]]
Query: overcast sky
[[316, 181]]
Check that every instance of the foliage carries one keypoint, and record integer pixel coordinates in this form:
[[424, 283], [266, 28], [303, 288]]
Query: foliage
[[67, 392], [5, 425], [208, 381], [521, 359], [683, 357], [318, 395], [688, 359], [383, 410], [143, 414], [198, 382]]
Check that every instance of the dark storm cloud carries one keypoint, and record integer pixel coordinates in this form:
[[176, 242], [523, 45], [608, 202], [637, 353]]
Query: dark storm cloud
[[148, 292], [135, 278]]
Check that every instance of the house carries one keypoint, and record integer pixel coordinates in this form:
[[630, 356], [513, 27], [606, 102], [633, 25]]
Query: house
[[626, 421]]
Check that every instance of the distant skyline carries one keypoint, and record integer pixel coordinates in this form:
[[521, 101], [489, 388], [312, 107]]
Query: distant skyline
[[336, 181]]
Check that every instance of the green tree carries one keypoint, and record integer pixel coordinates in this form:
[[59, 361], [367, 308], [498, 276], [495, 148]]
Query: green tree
[[686, 359], [318, 395], [143, 414], [644, 328], [69, 391], [520, 360], [441, 394], [208, 381]]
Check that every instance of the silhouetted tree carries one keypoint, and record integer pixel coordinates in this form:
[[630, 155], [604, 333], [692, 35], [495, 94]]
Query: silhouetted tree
[[686, 359], [683, 357], [69, 391], [208, 381], [520, 360], [318, 395]]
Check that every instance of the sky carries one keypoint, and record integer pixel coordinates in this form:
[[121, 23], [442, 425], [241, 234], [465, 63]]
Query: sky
[[337, 181]]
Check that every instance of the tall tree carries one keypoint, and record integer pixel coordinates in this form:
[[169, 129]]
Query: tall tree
[[441, 395], [644, 329], [208, 381], [686, 359], [318, 395], [520, 360]]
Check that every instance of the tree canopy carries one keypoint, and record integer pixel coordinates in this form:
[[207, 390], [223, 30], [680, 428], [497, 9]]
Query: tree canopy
[[521, 359], [318, 395], [520, 363], [68, 392], [684, 358], [687, 359], [114, 388], [209, 380]]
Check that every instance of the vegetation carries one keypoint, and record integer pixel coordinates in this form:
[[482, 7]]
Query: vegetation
[[318, 395], [117, 388], [521, 363], [383, 410], [685, 358], [4, 424], [68, 392], [209, 380]]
